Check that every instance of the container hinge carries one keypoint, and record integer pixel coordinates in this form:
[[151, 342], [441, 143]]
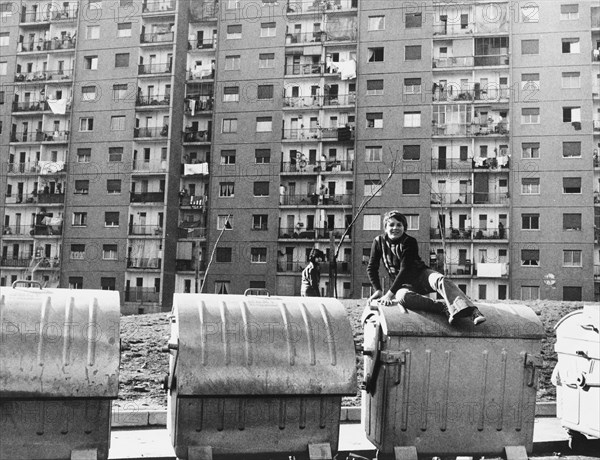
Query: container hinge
[[393, 357], [532, 362]]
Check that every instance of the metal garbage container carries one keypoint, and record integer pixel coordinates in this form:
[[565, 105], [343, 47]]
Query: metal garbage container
[[437, 389], [257, 374], [577, 374], [59, 359]]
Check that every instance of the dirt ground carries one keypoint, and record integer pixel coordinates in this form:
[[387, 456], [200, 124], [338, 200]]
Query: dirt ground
[[144, 365]]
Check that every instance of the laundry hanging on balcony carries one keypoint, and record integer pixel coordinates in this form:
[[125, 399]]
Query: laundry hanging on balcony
[[347, 69], [191, 169], [58, 106]]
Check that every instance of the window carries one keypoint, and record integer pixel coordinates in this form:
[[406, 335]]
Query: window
[[530, 257], [530, 150], [261, 188], [530, 292], [372, 186], [572, 185], [224, 221], [572, 222], [79, 219], [228, 157], [570, 46], [267, 29], [77, 252], [111, 219], [412, 20], [530, 221], [264, 124], [222, 287], [530, 81], [413, 221], [571, 258], [115, 154], [232, 62], [260, 221], [374, 87], [264, 92], [90, 62], [82, 187], [88, 93], [86, 124], [530, 186], [572, 293], [412, 119], [372, 222], [412, 86], [109, 252], [373, 153], [119, 92], [84, 155], [231, 94], [229, 125], [234, 31], [412, 52], [4, 38], [411, 152], [92, 32], [122, 60], [530, 13], [375, 120], [108, 284], [377, 22], [232, 4], [262, 156], [95, 4], [3, 68], [571, 149], [113, 186], [569, 12], [266, 60], [410, 186], [375, 54], [124, 30], [530, 46], [223, 254], [571, 114], [226, 189], [258, 255], [571, 80], [117, 123], [530, 116], [125, 3]]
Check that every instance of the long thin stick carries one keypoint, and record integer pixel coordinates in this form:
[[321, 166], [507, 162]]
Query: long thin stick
[[212, 254]]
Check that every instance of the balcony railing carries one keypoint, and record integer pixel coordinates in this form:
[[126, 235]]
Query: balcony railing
[[492, 94], [450, 233], [153, 100], [30, 106], [191, 230], [340, 99], [47, 45], [182, 265], [454, 61], [201, 104], [205, 44], [491, 270], [346, 35], [469, 233], [343, 268], [17, 230], [40, 136], [315, 199], [341, 134], [158, 6], [196, 136], [149, 166], [467, 129], [43, 76], [19, 262], [490, 60], [490, 233], [457, 165], [302, 101], [145, 230], [154, 69], [454, 29], [150, 263], [155, 132], [469, 198], [194, 201], [157, 37], [311, 234], [596, 272], [305, 37], [142, 294], [299, 6], [201, 74], [47, 14], [318, 166], [147, 197], [304, 69]]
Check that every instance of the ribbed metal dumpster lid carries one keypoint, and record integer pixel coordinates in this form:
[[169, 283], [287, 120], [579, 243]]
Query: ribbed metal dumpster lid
[[578, 333], [59, 343], [251, 345], [503, 321]]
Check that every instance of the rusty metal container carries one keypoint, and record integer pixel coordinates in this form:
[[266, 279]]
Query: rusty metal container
[[59, 371], [437, 389], [577, 373], [258, 374]]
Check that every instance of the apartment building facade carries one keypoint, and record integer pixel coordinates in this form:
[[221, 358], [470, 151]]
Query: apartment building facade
[[157, 147]]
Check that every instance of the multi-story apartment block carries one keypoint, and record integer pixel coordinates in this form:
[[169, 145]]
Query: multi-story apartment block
[[172, 146]]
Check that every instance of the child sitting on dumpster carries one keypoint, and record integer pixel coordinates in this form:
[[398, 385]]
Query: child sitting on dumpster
[[410, 278]]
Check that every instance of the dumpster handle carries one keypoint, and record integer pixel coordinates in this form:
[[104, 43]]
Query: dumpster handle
[[589, 327], [260, 291], [29, 282]]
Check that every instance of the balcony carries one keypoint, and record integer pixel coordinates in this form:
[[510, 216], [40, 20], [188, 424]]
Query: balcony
[[153, 100], [200, 104], [142, 294], [16, 230], [156, 132], [339, 99], [449, 199], [303, 101], [193, 201], [451, 234], [154, 69], [30, 106], [157, 37], [491, 60], [155, 166], [596, 272], [343, 268], [491, 270], [470, 129], [456, 270], [147, 197], [447, 30], [319, 7], [189, 265], [158, 7], [191, 230], [304, 69], [500, 233], [33, 77], [317, 166], [145, 230], [201, 74], [304, 37], [66, 43], [205, 44], [311, 234], [341, 134], [316, 200], [144, 263], [454, 61], [48, 14], [35, 198], [19, 262], [196, 136], [40, 136]]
